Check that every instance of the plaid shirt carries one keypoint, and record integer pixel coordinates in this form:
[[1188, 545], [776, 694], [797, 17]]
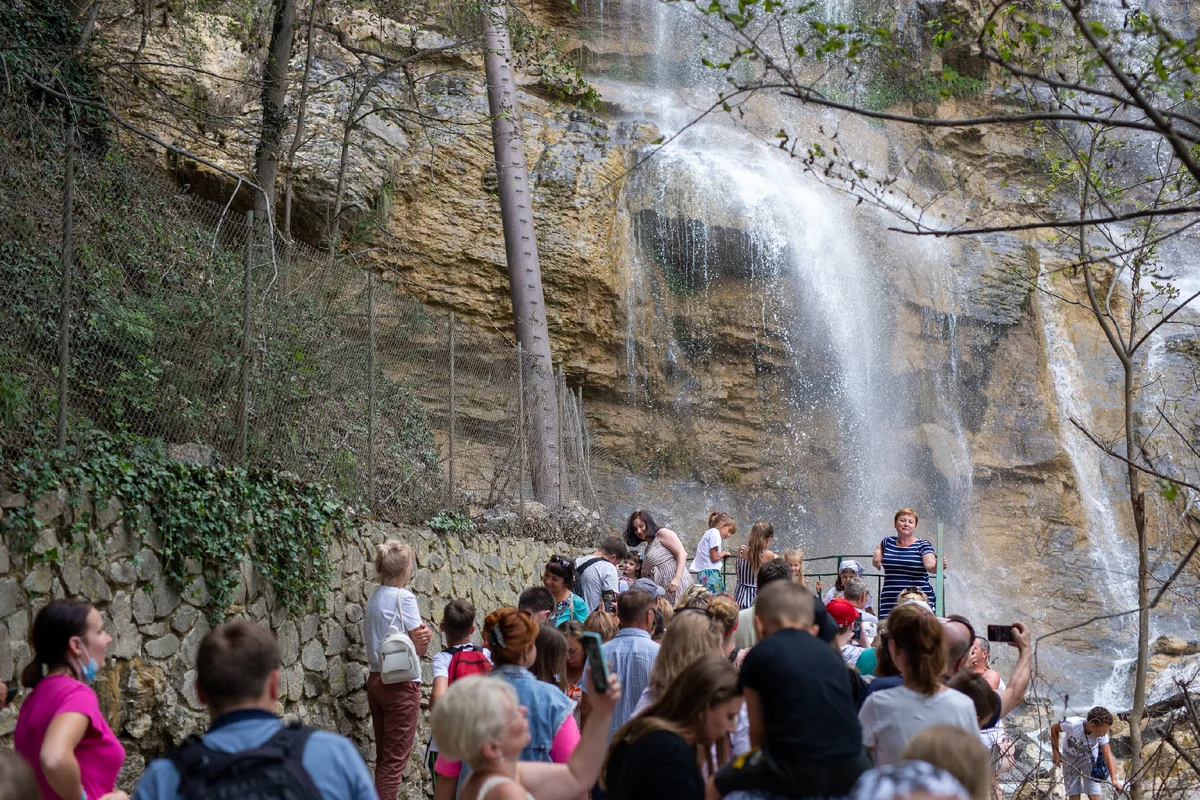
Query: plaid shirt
[[630, 654]]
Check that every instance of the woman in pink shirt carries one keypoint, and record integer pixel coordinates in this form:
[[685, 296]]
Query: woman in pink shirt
[[60, 730]]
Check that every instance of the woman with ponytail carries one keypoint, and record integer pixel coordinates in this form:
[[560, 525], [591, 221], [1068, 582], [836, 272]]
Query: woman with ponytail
[[890, 719], [750, 558], [511, 635], [60, 731]]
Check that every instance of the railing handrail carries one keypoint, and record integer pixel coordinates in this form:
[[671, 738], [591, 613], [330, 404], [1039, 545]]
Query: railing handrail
[[936, 579]]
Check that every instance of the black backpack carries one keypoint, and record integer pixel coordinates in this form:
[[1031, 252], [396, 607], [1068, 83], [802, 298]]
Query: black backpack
[[271, 771]]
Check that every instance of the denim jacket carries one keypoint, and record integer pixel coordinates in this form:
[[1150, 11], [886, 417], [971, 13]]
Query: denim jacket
[[548, 709]]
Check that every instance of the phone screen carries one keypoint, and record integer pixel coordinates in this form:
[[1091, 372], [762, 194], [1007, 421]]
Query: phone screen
[[1000, 633], [593, 649]]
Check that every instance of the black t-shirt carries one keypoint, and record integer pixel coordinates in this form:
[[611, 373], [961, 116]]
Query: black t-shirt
[[805, 696], [657, 766]]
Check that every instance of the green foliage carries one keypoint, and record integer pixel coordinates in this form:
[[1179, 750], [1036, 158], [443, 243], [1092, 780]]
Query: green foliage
[[458, 521], [45, 33], [156, 339], [890, 88], [210, 518]]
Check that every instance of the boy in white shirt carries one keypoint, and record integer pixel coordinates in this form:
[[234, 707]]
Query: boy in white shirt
[[1086, 743]]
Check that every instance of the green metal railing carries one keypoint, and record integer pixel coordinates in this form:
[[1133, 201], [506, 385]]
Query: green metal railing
[[729, 573]]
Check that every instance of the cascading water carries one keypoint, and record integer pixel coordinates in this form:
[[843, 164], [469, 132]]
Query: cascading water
[[887, 338]]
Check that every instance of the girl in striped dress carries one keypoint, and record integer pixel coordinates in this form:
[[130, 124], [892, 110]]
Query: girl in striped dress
[[750, 558], [906, 561]]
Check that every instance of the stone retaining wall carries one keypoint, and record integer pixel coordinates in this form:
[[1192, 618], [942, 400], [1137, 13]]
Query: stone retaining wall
[[147, 687]]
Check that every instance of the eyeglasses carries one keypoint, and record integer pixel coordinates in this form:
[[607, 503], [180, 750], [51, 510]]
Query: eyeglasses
[[560, 560], [697, 609]]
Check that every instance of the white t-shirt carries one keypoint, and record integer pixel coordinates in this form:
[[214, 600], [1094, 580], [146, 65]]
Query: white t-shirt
[[702, 561], [598, 578], [1078, 747], [891, 718], [382, 614], [851, 652], [870, 625]]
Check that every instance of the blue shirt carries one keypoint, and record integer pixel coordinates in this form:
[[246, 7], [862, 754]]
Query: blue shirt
[[332, 760], [630, 654]]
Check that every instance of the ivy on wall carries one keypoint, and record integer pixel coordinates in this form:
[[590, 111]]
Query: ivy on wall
[[212, 517]]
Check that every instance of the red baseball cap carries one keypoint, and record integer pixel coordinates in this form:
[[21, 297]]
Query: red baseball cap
[[842, 611]]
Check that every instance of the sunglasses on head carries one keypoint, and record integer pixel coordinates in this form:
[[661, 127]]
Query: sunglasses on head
[[697, 609], [560, 560]]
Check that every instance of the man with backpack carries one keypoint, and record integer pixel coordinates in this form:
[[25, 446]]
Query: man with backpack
[[248, 752], [596, 576]]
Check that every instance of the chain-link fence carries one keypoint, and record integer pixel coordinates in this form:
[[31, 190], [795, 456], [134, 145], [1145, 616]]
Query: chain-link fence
[[132, 307]]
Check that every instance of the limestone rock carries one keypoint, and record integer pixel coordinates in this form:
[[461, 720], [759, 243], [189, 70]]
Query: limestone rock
[[1169, 645], [94, 587], [289, 643], [163, 647], [143, 607], [8, 596], [313, 657], [309, 627]]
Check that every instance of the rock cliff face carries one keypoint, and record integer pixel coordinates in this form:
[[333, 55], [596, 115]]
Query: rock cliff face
[[703, 355]]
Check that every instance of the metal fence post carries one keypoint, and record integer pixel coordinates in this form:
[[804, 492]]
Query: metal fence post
[[64, 299], [560, 386], [371, 386], [521, 429], [939, 585], [243, 440], [450, 478]]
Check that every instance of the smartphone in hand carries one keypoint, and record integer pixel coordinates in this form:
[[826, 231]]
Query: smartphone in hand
[[593, 651], [1000, 633]]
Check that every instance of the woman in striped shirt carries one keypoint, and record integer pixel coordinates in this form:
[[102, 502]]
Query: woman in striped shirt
[[905, 561]]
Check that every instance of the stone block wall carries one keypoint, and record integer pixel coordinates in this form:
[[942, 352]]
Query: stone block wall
[[147, 688]]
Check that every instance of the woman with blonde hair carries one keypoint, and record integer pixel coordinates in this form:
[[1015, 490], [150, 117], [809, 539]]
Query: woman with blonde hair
[[482, 721], [666, 750], [395, 707], [756, 553], [692, 634], [695, 596], [891, 719]]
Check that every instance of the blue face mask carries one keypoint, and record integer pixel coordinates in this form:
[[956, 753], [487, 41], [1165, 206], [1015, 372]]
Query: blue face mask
[[87, 672]]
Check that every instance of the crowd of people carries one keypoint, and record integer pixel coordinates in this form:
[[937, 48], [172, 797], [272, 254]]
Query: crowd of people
[[771, 690]]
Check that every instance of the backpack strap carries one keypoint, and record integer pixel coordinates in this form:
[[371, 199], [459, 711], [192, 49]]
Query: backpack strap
[[198, 764], [580, 569], [192, 759]]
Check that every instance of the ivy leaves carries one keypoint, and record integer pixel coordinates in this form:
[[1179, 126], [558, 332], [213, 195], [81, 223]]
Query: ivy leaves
[[207, 518]]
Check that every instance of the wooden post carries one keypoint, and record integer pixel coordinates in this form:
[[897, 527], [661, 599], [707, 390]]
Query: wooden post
[[521, 429], [450, 476], [243, 440], [371, 387], [939, 584], [64, 299]]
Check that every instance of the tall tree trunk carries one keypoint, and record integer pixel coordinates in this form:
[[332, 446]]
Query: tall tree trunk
[[274, 118], [301, 116], [1137, 500], [520, 245]]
